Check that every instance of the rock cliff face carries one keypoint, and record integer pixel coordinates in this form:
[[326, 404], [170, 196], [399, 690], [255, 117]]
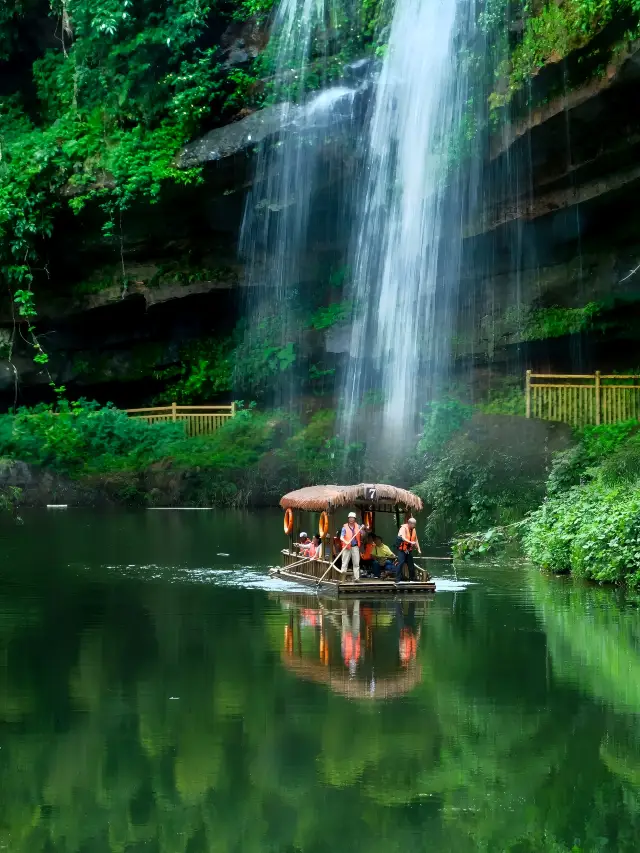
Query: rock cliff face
[[563, 233]]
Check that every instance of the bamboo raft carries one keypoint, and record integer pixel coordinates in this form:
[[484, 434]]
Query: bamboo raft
[[324, 574]]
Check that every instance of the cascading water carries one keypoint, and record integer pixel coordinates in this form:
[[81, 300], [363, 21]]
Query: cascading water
[[407, 243], [277, 234]]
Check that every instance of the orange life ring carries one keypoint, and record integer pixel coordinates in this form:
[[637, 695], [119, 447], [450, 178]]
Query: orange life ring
[[323, 525], [288, 521], [368, 520]]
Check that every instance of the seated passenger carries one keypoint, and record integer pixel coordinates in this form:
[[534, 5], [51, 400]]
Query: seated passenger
[[383, 556], [366, 555], [315, 549], [304, 544]]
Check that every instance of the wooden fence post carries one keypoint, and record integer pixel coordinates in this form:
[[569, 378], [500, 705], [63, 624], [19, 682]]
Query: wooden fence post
[[173, 412], [528, 393], [598, 398], [233, 409]]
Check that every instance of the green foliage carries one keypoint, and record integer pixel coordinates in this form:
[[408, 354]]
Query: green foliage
[[551, 33], [482, 543], [568, 468], [318, 456], [466, 482], [127, 86], [332, 315], [263, 358], [536, 324], [321, 379], [595, 445], [589, 524], [239, 444], [600, 441], [509, 401], [556, 322], [375, 16], [592, 531], [82, 437], [205, 372], [10, 497], [441, 419], [623, 464], [254, 456], [259, 9], [467, 487]]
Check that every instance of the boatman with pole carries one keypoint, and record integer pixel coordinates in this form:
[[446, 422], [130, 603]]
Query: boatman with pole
[[407, 544], [350, 537]]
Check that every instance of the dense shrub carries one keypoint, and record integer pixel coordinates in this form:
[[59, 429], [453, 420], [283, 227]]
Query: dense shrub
[[84, 437], [472, 472], [590, 522], [468, 488], [441, 420], [596, 445], [255, 456], [591, 530]]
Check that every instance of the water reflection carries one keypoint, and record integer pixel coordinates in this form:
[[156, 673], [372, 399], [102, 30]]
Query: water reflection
[[361, 650], [146, 712]]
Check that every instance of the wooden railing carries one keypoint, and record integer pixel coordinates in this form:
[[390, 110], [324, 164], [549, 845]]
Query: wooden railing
[[581, 399], [198, 420]]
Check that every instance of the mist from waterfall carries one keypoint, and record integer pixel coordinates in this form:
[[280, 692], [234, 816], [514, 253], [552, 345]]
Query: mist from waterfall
[[276, 236], [408, 234]]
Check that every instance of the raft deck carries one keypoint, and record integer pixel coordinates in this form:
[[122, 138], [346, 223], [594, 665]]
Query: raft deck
[[311, 572]]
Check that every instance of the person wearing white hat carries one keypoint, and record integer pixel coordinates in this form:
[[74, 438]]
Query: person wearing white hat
[[350, 538], [407, 543], [304, 544]]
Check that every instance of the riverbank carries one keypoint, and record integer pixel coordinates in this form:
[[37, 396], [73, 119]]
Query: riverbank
[[90, 455], [569, 501], [471, 468], [588, 523]]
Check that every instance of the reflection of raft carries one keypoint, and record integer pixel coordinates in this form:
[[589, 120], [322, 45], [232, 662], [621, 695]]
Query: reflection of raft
[[339, 681], [368, 500], [359, 650]]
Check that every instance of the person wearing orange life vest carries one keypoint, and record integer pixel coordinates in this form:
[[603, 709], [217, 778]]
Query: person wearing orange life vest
[[350, 539], [407, 544]]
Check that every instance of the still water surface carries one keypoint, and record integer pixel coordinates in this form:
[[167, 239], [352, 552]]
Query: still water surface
[[159, 693]]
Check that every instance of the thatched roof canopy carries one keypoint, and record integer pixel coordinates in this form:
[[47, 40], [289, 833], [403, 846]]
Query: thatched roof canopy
[[340, 681], [319, 498]]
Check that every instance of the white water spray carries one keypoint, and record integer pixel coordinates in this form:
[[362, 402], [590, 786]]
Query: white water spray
[[407, 238], [277, 232]]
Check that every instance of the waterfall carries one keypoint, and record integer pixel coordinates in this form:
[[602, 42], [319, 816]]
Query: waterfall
[[407, 237], [277, 233]]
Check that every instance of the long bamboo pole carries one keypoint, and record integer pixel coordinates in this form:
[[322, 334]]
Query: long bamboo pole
[[330, 567]]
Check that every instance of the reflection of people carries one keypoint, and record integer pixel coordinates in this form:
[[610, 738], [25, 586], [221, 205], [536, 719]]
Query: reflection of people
[[407, 543], [350, 538], [383, 556], [407, 635], [350, 637], [408, 646]]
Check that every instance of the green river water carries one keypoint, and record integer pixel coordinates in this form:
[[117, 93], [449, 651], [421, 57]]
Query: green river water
[[160, 693]]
